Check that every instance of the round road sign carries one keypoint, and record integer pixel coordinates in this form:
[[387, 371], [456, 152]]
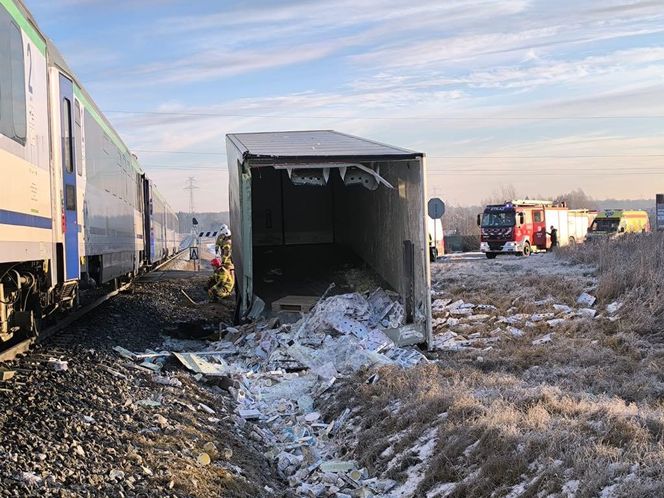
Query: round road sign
[[436, 208]]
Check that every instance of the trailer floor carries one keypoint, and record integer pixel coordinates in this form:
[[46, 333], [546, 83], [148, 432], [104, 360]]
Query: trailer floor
[[309, 270]]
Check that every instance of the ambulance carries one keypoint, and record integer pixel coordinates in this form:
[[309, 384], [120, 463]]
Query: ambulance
[[615, 222]]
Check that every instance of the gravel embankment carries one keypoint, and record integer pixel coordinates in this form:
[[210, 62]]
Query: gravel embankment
[[103, 427]]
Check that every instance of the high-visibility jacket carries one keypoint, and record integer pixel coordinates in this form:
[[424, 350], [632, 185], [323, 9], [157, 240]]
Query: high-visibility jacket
[[224, 248], [222, 281]]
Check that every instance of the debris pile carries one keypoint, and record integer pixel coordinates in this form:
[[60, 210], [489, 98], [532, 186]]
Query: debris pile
[[455, 324], [276, 372]]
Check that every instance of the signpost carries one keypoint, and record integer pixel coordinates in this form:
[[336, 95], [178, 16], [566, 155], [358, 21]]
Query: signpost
[[436, 210], [659, 211]]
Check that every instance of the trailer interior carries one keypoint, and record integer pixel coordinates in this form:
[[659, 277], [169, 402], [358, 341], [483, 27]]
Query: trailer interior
[[357, 222]]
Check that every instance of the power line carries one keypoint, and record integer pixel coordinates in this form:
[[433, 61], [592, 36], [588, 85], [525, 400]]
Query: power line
[[385, 118], [597, 173], [543, 170], [143, 151], [551, 156], [572, 156]]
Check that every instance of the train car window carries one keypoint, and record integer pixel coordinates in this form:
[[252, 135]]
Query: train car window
[[13, 121], [67, 145], [70, 198], [79, 137], [18, 84]]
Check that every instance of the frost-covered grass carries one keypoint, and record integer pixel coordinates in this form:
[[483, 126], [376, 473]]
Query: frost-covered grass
[[580, 416], [631, 268]]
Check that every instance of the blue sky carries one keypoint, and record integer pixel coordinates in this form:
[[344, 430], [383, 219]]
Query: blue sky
[[545, 96]]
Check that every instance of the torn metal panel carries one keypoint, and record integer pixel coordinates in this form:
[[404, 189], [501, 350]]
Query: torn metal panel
[[319, 174], [197, 364], [306, 176], [359, 177]]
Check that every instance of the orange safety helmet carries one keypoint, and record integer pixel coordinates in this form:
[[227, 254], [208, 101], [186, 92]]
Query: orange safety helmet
[[216, 262]]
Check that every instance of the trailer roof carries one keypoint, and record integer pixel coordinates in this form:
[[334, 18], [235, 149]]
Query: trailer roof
[[315, 145]]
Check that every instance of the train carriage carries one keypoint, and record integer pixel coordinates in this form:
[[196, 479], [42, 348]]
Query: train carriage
[[76, 208], [27, 245]]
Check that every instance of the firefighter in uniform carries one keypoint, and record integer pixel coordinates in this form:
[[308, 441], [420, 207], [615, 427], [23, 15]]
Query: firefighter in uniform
[[223, 244], [220, 285], [554, 236]]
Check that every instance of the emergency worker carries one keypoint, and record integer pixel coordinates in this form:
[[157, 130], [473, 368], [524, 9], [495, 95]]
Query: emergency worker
[[220, 285], [554, 236], [223, 244]]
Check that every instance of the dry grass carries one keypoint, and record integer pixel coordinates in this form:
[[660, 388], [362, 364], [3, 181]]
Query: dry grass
[[584, 412], [496, 431], [630, 268]]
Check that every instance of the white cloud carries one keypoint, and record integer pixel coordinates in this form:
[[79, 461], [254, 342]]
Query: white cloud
[[215, 64], [483, 61]]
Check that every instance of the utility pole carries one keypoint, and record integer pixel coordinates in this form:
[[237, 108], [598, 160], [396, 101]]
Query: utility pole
[[191, 186]]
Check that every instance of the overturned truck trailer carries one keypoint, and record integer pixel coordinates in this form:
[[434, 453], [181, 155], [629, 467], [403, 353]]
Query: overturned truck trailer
[[310, 208]]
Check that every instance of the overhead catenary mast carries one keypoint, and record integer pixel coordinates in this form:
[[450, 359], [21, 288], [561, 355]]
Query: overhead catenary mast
[[191, 186]]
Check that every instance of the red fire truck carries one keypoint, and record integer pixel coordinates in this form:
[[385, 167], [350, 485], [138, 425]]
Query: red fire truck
[[522, 227]]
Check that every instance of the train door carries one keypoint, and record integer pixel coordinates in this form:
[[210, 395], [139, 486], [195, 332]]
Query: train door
[[147, 225], [68, 152], [153, 235]]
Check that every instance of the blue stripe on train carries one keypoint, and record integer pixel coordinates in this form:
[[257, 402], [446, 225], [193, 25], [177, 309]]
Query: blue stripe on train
[[25, 220]]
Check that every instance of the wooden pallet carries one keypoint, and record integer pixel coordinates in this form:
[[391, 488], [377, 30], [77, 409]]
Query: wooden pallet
[[302, 304]]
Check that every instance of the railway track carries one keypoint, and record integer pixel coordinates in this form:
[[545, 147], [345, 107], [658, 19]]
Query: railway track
[[24, 346]]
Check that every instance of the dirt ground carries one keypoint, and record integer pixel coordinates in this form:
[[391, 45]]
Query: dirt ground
[[528, 392], [107, 428], [538, 395]]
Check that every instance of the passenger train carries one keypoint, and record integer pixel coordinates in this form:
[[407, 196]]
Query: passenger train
[[76, 208]]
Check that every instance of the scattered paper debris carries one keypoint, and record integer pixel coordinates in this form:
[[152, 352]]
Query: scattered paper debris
[[613, 307], [587, 312], [586, 299], [515, 332], [249, 414], [540, 317], [336, 466], [149, 403], [206, 408], [198, 364], [6, 375], [58, 365], [30, 479], [543, 340], [125, 353], [167, 381]]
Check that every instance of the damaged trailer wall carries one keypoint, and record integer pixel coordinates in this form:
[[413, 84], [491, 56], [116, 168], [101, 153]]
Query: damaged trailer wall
[[376, 223], [239, 194]]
